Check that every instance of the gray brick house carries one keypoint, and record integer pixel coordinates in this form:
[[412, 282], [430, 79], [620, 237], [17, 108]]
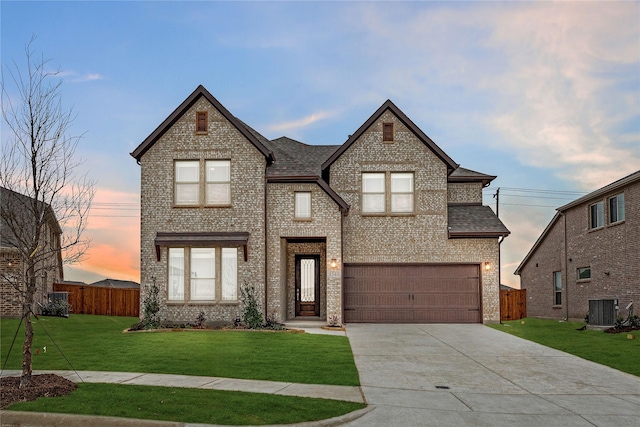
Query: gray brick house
[[589, 251], [383, 228]]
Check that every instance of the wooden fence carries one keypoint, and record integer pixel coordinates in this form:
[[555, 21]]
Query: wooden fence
[[513, 304], [101, 300]]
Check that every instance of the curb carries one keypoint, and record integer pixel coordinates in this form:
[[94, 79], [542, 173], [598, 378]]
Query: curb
[[47, 419]]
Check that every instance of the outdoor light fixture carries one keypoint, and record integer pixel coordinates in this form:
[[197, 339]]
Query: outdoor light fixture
[[334, 263], [487, 266]]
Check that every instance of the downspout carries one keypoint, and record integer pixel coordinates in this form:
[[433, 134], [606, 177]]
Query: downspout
[[342, 293], [566, 265], [500, 240], [266, 246]]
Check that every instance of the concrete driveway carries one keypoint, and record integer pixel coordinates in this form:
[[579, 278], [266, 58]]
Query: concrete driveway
[[472, 375]]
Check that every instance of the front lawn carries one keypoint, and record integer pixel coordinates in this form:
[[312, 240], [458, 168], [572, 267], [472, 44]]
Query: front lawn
[[614, 350], [189, 405], [97, 343]]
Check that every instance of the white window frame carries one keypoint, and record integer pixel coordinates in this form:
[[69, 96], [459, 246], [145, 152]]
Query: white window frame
[[371, 193], [182, 283], [175, 282], [596, 215], [302, 205], [616, 208], [215, 180], [399, 192], [181, 182], [202, 276]]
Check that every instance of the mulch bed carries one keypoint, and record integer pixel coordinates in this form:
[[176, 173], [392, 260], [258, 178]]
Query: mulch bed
[[44, 385], [621, 330]]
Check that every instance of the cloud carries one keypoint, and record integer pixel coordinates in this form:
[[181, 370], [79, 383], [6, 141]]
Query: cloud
[[300, 123], [74, 77]]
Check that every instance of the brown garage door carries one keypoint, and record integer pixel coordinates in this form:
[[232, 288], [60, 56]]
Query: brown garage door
[[412, 293]]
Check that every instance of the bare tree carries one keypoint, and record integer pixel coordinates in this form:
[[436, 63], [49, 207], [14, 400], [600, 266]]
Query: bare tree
[[40, 173]]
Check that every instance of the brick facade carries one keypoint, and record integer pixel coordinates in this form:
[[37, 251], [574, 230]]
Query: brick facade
[[422, 236], [263, 206], [612, 252]]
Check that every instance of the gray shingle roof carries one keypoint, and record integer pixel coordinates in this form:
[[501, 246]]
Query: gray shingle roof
[[294, 158], [467, 175], [474, 221]]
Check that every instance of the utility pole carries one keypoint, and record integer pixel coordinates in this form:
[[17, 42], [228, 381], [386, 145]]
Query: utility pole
[[497, 197]]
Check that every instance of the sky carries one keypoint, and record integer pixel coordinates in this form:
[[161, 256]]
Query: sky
[[545, 95]]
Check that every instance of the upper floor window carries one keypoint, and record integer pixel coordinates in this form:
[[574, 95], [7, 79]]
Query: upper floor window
[[557, 288], [188, 188], [373, 192], [616, 208], [202, 122], [596, 215], [401, 192], [187, 182], [302, 205], [387, 132], [584, 273], [218, 182], [375, 187]]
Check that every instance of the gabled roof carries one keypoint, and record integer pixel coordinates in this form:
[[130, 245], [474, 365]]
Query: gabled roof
[[616, 185], [622, 182], [537, 243], [295, 161], [467, 175], [388, 105], [474, 221], [179, 112]]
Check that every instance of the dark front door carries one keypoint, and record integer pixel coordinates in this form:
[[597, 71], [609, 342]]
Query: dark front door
[[307, 285]]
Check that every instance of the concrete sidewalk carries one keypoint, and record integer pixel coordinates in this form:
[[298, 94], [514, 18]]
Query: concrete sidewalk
[[335, 392]]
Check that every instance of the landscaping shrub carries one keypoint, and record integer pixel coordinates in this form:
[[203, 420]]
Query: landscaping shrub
[[251, 315]]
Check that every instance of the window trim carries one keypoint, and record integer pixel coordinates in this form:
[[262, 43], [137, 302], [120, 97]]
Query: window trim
[[557, 292], [207, 182], [176, 183], [295, 206], [383, 193], [205, 115], [599, 217], [583, 269], [388, 134], [388, 194], [219, 276], [620, 208], [412, 193], [202, 183]]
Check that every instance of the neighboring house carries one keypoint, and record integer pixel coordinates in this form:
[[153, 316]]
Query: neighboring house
[[589, 251], [13, 228], [383, 228]]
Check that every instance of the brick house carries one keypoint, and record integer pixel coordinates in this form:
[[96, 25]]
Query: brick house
[[589, 251], [12, 269], [383, 228]]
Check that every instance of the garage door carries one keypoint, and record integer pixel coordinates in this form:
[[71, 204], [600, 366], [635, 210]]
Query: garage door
[[412, 293]]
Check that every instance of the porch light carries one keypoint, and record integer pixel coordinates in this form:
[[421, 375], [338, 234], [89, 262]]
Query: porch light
[[487, 266], [334, 263]]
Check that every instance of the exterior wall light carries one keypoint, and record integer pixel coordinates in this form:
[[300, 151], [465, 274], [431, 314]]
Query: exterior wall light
[[333, 263], [487, 266]]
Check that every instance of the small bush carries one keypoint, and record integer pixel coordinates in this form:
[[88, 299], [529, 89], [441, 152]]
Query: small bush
[[251, 315], [200, 320], [57, 307], [619, 323], [150, 309], [634, 321]]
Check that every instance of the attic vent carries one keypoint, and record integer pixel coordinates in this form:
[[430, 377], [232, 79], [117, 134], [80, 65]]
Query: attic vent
[[387, 132], [202, 122], [602, 312]]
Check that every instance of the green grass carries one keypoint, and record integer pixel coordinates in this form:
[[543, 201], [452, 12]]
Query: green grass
[[189, 405], [614, 350], [97, 343]]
